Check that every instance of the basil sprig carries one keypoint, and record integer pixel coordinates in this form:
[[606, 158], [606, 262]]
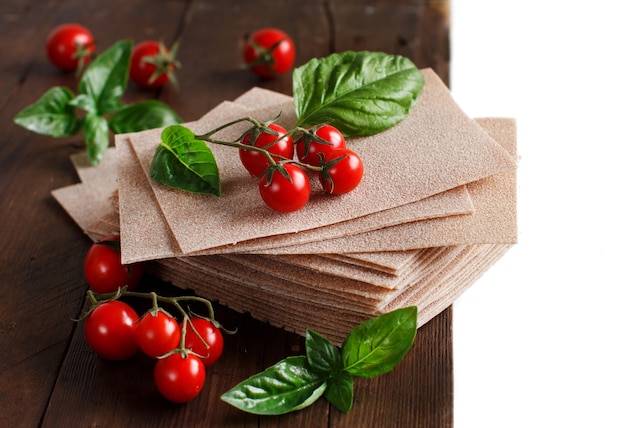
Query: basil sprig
[[371, 349], [359, 93], [99, 95]]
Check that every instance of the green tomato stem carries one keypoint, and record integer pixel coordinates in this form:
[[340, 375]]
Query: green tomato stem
[[273, 159], [97, 299]]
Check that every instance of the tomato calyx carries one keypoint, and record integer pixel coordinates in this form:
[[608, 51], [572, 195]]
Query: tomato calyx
[[265, 56], [342, 171], [83, 54], [325, 176], [319, 140], [309, 136], [268, 52], [165, 62], [280, 168]]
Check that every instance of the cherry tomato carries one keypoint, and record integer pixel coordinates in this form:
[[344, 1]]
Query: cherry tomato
[[269, 52], [152, 65], [341, 175], [179, 378], [309, 147], [110, 330], [69, 46], [157, 333], [284, 195], [256, 162], [211, 336], [104, 270]]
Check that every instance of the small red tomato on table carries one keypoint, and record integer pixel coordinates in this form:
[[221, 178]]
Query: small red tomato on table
[[70, 46], [179, 377], [269, 52], [157, 333], [110, 330], [104, 271]]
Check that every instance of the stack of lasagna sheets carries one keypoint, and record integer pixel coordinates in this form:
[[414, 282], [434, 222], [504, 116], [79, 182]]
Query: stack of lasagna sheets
[[436, 208]]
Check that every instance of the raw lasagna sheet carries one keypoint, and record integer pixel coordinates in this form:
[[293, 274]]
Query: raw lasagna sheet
[[453, 150]]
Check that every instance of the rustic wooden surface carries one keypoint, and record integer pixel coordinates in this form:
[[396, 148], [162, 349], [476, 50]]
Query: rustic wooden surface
[[48, 375]]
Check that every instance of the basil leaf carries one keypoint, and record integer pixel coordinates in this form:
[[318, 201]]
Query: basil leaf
[[377, 345], [184, 163], [284, 387], [360, 93], [143, 115], [321, 354], [340, 391], [86, 103], [52, 115], [96, 130], [105, 80]]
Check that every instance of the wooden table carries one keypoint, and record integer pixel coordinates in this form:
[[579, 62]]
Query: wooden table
[[48, 374]]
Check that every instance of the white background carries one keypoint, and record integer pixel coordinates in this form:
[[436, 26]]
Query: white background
[[539, 340]]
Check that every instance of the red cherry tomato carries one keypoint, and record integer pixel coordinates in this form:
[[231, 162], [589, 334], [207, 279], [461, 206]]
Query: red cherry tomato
[[341, 175], [322, 140], [104, 270], [157, 333], [110, 330], [179, 378], [284, 195], [69, 46], [151, 65], [211, 336], [269, 52], [256, 162]]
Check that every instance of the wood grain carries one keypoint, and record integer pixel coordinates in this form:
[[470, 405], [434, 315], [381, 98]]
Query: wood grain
[[48, 375]]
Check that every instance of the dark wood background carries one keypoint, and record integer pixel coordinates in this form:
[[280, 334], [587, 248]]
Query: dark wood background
[[48, 375]]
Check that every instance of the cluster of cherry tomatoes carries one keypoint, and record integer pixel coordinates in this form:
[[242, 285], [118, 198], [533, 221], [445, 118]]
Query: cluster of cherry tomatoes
[[113, 329], [268, 52], [285, 186]]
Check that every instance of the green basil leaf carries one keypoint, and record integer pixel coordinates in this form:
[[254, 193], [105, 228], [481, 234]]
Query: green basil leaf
[[340, 391], [96, 130], [377, 345], [360, 93], [105, 79], [52, 115], [143, 115], [284, 387], [184, 163], [86, 103], [321, 354]]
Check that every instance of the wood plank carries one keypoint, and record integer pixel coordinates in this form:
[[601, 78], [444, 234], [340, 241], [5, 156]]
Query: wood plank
[[47, 358]]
